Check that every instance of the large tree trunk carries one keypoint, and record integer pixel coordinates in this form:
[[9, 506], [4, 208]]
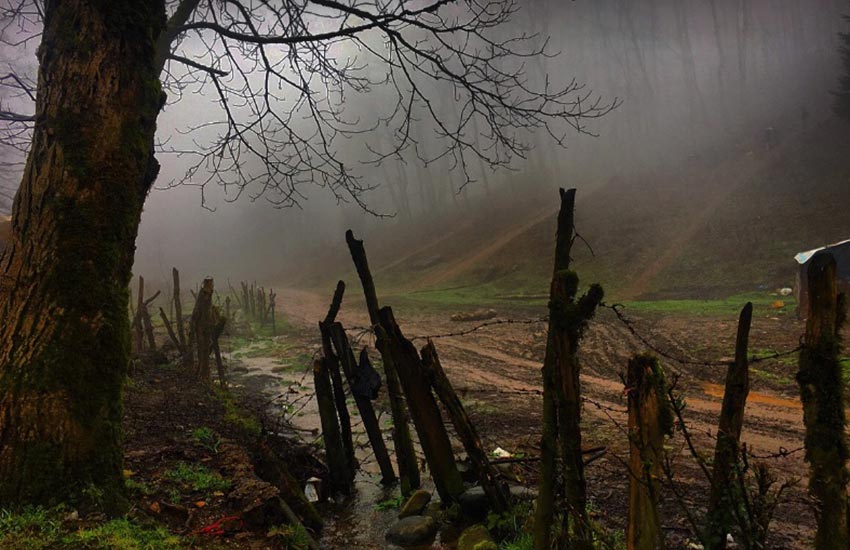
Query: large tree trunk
[[64, 276]]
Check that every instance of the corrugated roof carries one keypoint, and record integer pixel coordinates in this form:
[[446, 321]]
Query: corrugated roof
[[804, 257]]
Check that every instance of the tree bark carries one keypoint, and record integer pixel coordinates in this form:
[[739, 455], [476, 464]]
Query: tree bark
[[822, 394], [727, 449], [64, 275]]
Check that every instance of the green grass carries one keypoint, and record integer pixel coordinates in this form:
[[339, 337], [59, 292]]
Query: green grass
[[198, 477], [721, 307], [236, 415], [291, 537], [41, 529], [207, 438], [393, 503]]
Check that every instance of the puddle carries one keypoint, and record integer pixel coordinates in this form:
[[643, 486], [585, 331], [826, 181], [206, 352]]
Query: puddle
[[356, 522]]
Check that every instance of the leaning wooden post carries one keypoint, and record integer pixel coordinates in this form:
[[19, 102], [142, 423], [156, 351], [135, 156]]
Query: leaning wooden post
[[423, 409], [363, 402], [332, 364], [402, 440], [727, 450], [178, 308], [171, 335], [650, 419], [822, 393], [487, 475], [148, 323], [338, 466]]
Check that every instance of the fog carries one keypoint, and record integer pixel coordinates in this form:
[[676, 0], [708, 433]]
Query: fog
[[690, 76]]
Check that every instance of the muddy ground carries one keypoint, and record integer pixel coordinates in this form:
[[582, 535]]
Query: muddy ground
[[497, 371]]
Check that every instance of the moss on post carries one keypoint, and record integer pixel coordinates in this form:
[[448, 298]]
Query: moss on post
[[822, 393]]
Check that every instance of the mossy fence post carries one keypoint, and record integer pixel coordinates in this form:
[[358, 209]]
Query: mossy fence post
[[568, 317], [650, 419], [822, 393]]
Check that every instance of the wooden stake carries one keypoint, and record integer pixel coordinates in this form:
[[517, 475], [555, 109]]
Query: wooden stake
[[424, 411], [138, 331], [650, 419], [487, 475], [724, 485], [332, 363], [340, 476], [178, 308], [364, 405], [202, 329], [822, 393], [405, 453]]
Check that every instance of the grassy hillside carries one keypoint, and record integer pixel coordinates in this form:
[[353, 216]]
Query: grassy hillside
[[725, 223]]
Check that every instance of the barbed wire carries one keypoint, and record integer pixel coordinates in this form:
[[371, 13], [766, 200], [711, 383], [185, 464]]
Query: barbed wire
[[630, 326]]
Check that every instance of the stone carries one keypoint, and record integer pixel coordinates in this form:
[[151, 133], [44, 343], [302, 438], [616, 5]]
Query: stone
[[521, 492], [412, 530], [415, 504], [475, 538], [474, 503]]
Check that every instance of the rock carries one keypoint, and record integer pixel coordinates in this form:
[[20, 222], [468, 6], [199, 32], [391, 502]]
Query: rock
[[475, 538], [521, 492], [435, 510], [474, 503], [415, 504], [412, 530], [467, 474]]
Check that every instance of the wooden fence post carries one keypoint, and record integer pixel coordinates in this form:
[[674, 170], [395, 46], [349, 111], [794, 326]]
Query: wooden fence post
[[340, 476], [138, 330], [724, 485], [822, 393], [487, 475], [332, 364], [364, 404], [423, 409], [201, 328], [568, 317], [650, 419], [178, 309], [405, 453]]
